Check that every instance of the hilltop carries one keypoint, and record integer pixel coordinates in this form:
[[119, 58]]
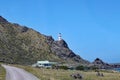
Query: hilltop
[[103, 65], [23, 45]]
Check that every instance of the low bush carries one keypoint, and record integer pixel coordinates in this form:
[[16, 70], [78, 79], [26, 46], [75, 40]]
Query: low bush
[[63, 67]]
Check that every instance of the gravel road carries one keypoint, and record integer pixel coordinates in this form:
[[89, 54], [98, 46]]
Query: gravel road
[[14, 73]]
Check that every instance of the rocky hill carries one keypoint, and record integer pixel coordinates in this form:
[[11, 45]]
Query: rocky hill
[[100, 64], [22, 45], [103, 65]]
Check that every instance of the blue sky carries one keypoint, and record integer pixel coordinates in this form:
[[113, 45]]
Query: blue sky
[[90, 27]]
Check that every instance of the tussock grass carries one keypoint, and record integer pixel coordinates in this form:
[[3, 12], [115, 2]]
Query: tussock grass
[[2, 73], [52, 74]]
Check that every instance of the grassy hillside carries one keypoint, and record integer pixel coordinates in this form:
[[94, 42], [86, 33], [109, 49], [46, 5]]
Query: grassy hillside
[[22, 45]]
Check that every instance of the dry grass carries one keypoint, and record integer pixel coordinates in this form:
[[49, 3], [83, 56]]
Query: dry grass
[[51, 74], [2, 73]]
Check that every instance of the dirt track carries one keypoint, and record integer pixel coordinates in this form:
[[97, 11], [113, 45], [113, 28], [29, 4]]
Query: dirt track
[[13, 73]]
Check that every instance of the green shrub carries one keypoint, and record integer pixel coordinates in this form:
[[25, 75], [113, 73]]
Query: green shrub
[[93, 68], [63, 67], [80, 67]]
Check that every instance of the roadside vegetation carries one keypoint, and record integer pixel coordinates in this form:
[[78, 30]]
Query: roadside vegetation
[[2, 73], [60, 74]]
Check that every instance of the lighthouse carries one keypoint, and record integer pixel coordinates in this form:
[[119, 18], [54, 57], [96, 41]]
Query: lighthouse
[[59, 37]]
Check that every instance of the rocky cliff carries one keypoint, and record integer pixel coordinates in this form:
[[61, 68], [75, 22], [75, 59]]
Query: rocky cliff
[[22, 45]]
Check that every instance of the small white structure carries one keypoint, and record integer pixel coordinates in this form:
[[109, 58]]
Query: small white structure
[[44, 64], [59, 37]]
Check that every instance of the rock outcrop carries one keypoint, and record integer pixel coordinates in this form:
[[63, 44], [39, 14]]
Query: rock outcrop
[[102, 65], [62, 50]]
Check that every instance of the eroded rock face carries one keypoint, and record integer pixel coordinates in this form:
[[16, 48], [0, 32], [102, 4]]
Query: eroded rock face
[[61, 43], [62, 50]]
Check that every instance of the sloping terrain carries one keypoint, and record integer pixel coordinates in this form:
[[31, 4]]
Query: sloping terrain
[[22, 45]]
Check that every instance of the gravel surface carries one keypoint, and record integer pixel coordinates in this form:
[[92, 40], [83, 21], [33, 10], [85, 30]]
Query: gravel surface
[[14, 73]]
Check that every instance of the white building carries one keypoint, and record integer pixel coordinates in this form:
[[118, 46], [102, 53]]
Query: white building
[[44, 64]]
